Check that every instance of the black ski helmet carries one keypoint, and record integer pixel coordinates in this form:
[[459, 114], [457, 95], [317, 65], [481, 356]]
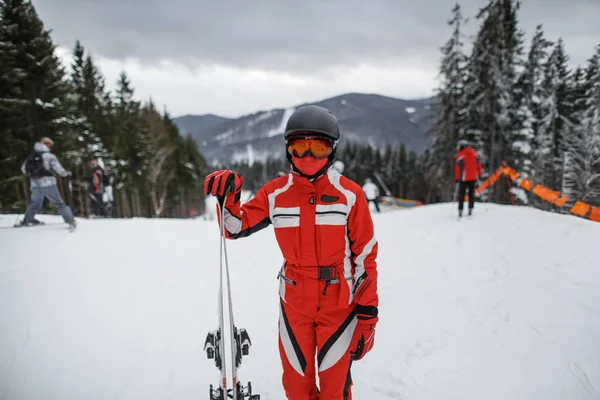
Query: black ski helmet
[[314, 120]]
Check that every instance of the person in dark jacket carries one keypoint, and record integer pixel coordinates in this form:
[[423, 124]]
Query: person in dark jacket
[[40, 168], [467, 171], [98, 183]]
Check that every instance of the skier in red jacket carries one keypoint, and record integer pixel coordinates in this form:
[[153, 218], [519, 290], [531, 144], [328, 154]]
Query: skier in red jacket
[[328, 283], [467, 171]]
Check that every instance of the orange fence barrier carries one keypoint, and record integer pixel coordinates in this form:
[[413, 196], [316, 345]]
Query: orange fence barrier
[[580, 208]]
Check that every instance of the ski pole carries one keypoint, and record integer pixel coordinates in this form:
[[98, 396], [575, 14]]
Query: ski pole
[[239, 339], [454, 196], [70, 187]]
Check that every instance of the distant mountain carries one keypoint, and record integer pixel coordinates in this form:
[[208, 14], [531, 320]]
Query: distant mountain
[[196, 124], [364, 118]]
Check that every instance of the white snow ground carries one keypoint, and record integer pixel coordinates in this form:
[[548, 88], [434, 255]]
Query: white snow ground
[[503, 306]]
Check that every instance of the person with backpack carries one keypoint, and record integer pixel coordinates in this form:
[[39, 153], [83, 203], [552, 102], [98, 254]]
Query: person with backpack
[[467, 171], [328, 283], [40, 167], [97, 184]]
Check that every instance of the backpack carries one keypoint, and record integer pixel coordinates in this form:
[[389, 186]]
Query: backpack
[[34, 166]]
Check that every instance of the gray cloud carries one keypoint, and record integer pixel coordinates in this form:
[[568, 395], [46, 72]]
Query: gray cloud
[[296, 36]]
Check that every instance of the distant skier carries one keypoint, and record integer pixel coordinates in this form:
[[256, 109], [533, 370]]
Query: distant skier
[[40, 167], [328, 283], [372, 192], [108, 198], [339, 166], [97, 184], [467, 171]]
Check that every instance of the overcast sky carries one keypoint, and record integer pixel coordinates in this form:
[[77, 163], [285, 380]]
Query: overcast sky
[[236, 57]]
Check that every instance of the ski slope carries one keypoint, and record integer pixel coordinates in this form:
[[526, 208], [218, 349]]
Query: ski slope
[[502, 306]]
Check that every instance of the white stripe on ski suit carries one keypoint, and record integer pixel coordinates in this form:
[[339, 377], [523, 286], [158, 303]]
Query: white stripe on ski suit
[[285, 217], [335, 218], [334, 178], [464, 169], [232, 223], [286, 342], [340, 347], [359, 262], [276, 193]]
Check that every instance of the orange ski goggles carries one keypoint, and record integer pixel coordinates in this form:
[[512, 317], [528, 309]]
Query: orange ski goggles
[[317, 146]]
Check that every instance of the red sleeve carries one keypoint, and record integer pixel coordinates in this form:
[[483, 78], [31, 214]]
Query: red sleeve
[[479, 168], [96, 181], [364, 252], [244, 220]]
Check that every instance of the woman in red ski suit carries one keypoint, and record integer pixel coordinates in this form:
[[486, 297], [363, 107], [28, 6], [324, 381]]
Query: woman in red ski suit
[[328, 283]]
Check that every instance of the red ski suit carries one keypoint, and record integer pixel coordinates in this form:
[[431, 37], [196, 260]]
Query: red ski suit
[[325, 232], [467, 166]]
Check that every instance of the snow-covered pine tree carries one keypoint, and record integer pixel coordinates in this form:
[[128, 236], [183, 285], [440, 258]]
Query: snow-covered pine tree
[[86, 109], [185, 189], [554, 128], [528, 94], [128, 144], [402, 171], [35, 88], [490, 108], [449, 127], [80, 124], [388, 170], [92, 103], [11, 102], [582, 177], [160, 146], [577, 93]]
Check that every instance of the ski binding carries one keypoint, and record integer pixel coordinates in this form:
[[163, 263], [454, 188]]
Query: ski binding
[[213, 348]]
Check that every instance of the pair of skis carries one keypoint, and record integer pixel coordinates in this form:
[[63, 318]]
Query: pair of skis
[[18, 224], [238, 341]]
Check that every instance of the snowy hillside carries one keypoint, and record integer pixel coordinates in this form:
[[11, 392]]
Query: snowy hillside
[[502, 306]]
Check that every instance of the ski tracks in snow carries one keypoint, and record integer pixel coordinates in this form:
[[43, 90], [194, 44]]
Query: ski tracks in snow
[[8, 372], [584, 380]]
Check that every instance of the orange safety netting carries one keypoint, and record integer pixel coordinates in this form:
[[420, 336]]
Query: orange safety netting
[[579, 208], [489, 181], [595, 215], [526, 184]]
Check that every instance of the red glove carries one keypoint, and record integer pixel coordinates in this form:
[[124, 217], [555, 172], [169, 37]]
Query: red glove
[[364, 335], [218, 182]]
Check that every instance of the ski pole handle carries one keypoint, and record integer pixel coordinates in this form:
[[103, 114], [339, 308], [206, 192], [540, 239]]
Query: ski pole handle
[[229, 188]]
